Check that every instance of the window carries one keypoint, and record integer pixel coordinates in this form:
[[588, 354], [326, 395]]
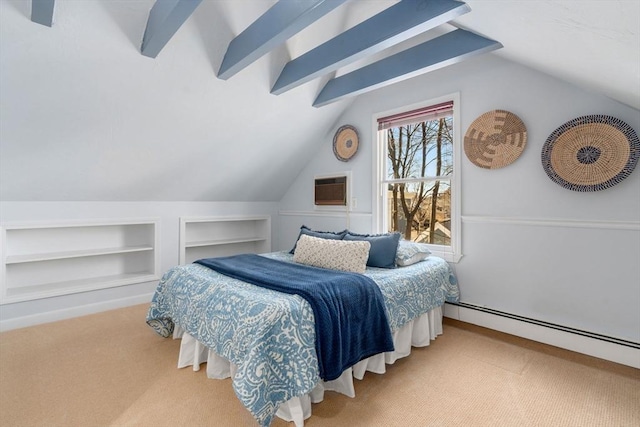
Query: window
[[418, 175]]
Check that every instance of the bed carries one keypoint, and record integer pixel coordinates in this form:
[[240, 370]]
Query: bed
[[265, 340]]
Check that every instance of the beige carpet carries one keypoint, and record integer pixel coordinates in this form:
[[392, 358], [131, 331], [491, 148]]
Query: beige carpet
[[110, 369]]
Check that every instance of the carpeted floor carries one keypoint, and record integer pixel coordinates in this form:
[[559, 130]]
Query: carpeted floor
[[110, 369]]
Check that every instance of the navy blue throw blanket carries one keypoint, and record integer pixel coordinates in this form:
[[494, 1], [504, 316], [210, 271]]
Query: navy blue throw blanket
[[350, 318]]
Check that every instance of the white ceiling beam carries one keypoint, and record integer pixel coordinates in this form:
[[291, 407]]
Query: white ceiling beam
[[42, 11], [394, 25], [165, 18], [274, 27], [442, 51]]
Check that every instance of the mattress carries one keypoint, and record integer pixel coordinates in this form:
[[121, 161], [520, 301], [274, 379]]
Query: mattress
[[268, 336]]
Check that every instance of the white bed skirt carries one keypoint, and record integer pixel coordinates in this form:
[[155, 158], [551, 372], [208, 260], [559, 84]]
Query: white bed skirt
[[417, 333]]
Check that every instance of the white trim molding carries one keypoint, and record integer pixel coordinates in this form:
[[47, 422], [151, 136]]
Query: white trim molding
[[333, 214], [548, 222], [72, 312]]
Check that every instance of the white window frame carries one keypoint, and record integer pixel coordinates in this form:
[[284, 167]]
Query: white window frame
[[451, 253]]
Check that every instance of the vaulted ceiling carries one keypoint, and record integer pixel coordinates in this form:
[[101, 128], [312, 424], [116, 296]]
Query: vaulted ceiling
[[541, 32], [397, 23], [150, 100]]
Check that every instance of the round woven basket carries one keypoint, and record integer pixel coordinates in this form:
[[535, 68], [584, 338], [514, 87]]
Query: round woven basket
[[345, 143], [591, 153], [495, 139]]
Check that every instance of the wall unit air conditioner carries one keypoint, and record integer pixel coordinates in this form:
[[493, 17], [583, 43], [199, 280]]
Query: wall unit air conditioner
[[330, 191]]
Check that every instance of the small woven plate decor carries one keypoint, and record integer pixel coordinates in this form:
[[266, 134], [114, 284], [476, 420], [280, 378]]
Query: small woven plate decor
[[345, 143], [591, 153], [495, 139]]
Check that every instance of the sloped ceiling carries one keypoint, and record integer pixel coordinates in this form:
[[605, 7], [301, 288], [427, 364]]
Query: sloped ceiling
[[594, 44], [85, 116]]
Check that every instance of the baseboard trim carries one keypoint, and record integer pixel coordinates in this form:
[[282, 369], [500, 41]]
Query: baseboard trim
[[68, 313], [618, 351]]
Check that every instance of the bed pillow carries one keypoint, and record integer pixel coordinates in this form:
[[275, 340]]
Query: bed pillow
[[331, 235], [383, 248], [332, 254], [411, 252]]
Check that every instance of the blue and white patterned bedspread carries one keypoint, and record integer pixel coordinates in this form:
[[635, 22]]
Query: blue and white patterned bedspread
[[269, 335]]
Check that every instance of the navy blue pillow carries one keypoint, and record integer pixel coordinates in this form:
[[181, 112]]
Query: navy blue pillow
[[339, 235], [383, 248]]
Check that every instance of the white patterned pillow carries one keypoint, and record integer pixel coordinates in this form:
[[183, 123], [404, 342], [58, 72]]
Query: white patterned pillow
[[410, 252], [333, 254]]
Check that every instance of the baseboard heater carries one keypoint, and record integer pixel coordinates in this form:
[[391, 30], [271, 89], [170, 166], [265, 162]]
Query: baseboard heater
[[593, 335]]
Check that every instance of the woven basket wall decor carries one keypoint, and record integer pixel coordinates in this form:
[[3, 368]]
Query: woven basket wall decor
[[591, 153], [495, 139], [345, 143]]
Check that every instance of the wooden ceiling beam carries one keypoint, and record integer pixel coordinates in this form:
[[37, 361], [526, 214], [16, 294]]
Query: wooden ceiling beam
[[394, 25], [165, 18], [42, 11], [439, 52], [274, 27]]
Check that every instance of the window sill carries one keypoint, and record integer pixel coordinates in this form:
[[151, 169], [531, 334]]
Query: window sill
[[448, 256]]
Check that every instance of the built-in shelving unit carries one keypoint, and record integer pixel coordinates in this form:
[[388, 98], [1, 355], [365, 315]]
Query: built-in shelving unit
[[45, 260], [208, 237]]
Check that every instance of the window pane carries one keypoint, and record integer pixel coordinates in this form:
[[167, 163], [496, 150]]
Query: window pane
[[411, 212], [420, 149]]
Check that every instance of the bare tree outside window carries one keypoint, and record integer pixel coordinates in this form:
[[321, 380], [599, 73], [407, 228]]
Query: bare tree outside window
[[418, 168]]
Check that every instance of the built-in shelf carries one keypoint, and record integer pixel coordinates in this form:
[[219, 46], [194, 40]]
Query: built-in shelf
[[53, 289], [208, 237], [45, 260], [224, 242], [17, 259]]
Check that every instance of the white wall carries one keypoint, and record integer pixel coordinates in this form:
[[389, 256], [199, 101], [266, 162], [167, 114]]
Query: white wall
[[169, 213], [530, 247], [78, 99]]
